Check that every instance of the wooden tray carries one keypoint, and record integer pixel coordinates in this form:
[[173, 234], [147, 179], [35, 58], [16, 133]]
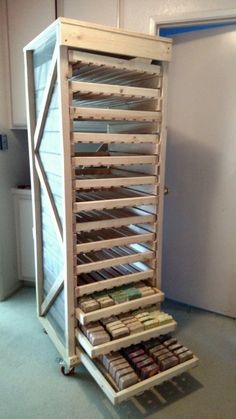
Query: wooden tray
[[118, 396], [103, 313], [115, 345]]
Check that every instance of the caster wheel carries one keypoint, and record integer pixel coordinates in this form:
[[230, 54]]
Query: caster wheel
[[67, 371]]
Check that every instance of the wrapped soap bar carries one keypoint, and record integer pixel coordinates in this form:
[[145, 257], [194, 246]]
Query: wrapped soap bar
[[119, 332], [99, 337], [144, 363], [109, 320], [149, 371], [105, 302], [88, 306], [151, 344], [115, 363], [170, 342], [185, 356], [160, 358], [147, 292], [156, 348], [127, 380], [122, 371], [150, 324], [134, 354], [108, 358], [138, 359], [135, 327], [114, 325], [114, 368], [159, 353], [167, 363], [180, 350], [174, 346]]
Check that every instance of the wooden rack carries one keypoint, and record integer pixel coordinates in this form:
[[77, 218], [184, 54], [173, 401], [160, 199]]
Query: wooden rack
[[96, 108]]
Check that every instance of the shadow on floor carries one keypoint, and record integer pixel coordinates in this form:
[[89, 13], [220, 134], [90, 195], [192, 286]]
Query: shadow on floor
[[148, 403]]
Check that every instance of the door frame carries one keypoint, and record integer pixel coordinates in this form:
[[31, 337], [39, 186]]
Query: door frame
[[191, 18]]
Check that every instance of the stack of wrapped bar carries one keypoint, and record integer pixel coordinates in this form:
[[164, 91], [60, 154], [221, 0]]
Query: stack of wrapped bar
[[140, 362]]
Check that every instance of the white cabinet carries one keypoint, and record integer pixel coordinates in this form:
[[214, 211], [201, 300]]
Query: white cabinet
[[24, 234], [26, 19]]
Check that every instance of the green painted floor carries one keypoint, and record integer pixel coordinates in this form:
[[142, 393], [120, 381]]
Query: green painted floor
[[31, 385]]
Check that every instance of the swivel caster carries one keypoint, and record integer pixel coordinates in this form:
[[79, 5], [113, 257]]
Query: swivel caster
[[67, 371]]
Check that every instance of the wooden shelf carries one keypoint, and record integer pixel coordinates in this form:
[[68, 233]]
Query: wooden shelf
[[114, 65], [115, 345], [94, 137], [107, 238], [97, 114], [99, 375], [113, 180], [94, 90], [119, 308], [114, 261], [95, 161], [112, 282], [113, 198], [95, 220]]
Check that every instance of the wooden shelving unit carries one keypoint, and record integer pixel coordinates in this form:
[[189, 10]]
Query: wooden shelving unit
[[96, 106]]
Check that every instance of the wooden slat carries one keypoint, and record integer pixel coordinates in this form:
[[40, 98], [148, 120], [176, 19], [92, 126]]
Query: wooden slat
[[106, 40], [53, 293], [98, 114], [91, 137], [114, 203], [115, 345], [103, 313], [119, 396], [103, 244], [115, 261], [46, 100], [113, 160], [114, 90], [111, 283], [48, 193], [76, 57], [114, 182], [116, 222], [35, 184]]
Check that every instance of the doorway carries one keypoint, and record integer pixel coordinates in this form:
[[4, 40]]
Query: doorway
[[199, 263]]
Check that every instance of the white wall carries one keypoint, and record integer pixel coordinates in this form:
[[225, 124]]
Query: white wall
[[135, 14], [13, 170]]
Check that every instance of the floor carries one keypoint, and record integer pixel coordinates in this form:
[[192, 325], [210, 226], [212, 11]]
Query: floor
[[32, 387]]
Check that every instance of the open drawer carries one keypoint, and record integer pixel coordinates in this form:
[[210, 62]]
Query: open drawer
[[100, 376], [91, 316], [116, 344]]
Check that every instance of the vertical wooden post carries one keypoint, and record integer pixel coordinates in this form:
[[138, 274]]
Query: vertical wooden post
[[68, 243], [163, 136], [35, 185]]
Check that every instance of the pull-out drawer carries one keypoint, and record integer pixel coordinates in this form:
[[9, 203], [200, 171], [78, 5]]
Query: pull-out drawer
[[116, 344], [116, 396]]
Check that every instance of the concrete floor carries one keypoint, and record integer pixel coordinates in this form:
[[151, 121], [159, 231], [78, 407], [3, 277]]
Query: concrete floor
[[32, 387]]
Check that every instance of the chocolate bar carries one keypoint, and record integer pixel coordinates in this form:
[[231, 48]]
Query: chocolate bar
[[134, 354]]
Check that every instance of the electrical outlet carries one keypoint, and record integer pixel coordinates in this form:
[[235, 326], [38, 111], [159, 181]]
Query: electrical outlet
[[3, 142]]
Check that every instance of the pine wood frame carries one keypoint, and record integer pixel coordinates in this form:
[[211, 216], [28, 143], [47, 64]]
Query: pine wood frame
[[144, 48]]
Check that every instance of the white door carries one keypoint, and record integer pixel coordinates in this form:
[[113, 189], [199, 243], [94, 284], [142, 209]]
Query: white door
[[199, 257]]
